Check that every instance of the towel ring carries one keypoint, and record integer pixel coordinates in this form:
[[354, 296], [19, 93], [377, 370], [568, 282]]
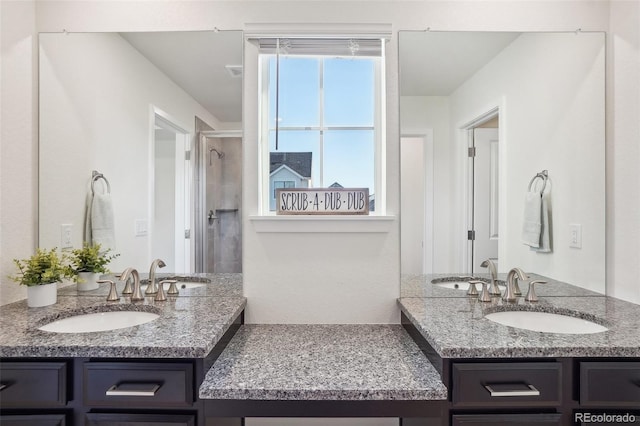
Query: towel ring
[[544, 175], [94, 177]]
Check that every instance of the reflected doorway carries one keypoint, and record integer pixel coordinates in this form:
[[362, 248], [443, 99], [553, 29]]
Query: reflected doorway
[[219, 213], [416, 203], [483, 201], [171, 200]]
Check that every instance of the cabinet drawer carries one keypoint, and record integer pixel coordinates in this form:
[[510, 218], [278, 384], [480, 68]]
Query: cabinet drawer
[[33, 384], [113, 419], [138, 384], [33, 419], [506, 419], [610, 384], [526, 384]]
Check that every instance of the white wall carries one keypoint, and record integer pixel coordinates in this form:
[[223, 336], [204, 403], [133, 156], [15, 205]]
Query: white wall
[[623, 151], [82, 77], [549, 119], [432, 112], [372, 264], [18, 148]]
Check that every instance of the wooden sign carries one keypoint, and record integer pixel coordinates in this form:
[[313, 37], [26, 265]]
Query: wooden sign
[[312, 201]]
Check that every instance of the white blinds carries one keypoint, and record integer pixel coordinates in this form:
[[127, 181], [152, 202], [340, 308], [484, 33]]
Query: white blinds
[[321, 46]]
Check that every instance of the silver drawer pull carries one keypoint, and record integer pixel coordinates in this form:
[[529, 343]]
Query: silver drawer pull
[[133, 389], [3, 386], [512, 389]]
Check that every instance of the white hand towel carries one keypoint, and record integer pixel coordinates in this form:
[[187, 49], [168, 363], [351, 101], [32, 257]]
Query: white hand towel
[[532, 221], [545, 231], [102, 223]]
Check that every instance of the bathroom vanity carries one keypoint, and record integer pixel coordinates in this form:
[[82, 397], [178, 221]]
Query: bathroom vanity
[[197, 364], [148, 374], [498, 374]]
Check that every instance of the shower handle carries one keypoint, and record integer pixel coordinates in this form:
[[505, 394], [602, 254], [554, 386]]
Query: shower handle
[[211, 216]]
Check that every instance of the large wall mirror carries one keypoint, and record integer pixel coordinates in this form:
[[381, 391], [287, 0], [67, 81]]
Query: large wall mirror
[[140, 146], [489, 120]]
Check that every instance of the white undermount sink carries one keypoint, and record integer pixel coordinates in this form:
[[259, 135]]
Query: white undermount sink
[[456, 285], [99, 321], [187, 285], [545, 322]]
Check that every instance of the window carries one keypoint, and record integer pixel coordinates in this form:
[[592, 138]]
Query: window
[[278, 184], [321, 113]]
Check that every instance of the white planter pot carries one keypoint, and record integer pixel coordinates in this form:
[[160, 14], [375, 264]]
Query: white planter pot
[[42, 295], [88, 281]]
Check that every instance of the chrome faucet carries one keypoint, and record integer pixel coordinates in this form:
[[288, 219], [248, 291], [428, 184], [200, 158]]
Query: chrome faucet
[[137, 293], [514, 274], [494, 276], [152, 288]]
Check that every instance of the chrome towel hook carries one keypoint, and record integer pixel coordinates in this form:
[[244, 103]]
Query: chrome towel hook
[[544, 175], [95, 175]]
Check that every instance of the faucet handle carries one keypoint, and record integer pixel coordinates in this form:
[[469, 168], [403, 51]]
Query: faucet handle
[[472, 290], [173, 289], [484, 296], [160, 296], [531, 294], [113, 293]]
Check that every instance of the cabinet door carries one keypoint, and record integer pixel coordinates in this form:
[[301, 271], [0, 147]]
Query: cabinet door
[[610, 384], [115, 419], [518, 384], [506, 419], [138, 384], [33, 384], [33, 419]]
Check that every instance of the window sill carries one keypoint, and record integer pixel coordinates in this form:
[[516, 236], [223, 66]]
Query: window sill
[[328, 223]]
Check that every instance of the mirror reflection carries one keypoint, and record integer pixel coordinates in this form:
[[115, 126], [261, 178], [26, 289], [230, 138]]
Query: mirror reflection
[[145, 111], [502, 154]]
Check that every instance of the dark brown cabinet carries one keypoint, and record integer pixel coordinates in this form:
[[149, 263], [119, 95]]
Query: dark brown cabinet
[[506, 384], [610, 384], [506, 420], [138, 384], [109, 419], [33, 384]]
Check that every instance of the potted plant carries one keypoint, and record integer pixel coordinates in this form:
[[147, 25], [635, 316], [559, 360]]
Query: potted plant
[[87, 263], [41, 273]]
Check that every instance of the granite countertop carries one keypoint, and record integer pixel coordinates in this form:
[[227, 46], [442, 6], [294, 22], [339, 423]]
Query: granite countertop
[[214, 285], [188, 327], [456, 328], [322, 362], [425, 285]]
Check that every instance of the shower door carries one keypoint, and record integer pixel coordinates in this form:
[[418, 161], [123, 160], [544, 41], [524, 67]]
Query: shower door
[[219, 234]]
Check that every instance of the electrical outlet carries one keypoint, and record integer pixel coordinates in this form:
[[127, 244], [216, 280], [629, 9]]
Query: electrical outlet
[[575, 235], [66, 234]]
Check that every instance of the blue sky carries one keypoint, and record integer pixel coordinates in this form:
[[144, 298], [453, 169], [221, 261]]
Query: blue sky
[[348, 101]]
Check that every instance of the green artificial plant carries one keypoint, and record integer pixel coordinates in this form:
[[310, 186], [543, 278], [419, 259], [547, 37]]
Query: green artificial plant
[[44, 267], [89, 258]]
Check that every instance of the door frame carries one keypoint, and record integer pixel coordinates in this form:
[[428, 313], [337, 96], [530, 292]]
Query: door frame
[[183, 247], [466, 137]]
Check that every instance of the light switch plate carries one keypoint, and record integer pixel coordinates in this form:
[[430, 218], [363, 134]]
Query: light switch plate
[[575, 235], [141, 228]]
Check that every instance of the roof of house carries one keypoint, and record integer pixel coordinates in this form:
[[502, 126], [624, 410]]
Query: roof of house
[[299, 162]]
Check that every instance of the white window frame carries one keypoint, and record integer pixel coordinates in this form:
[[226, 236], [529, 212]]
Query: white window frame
[[379, 128]]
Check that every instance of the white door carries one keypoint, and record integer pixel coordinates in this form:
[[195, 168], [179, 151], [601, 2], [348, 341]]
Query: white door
[[171, 212], [485, 196]]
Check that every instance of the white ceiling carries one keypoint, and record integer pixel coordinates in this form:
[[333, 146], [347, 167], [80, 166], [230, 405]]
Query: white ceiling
[[196, 61], [436, 63], [431, 63]]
